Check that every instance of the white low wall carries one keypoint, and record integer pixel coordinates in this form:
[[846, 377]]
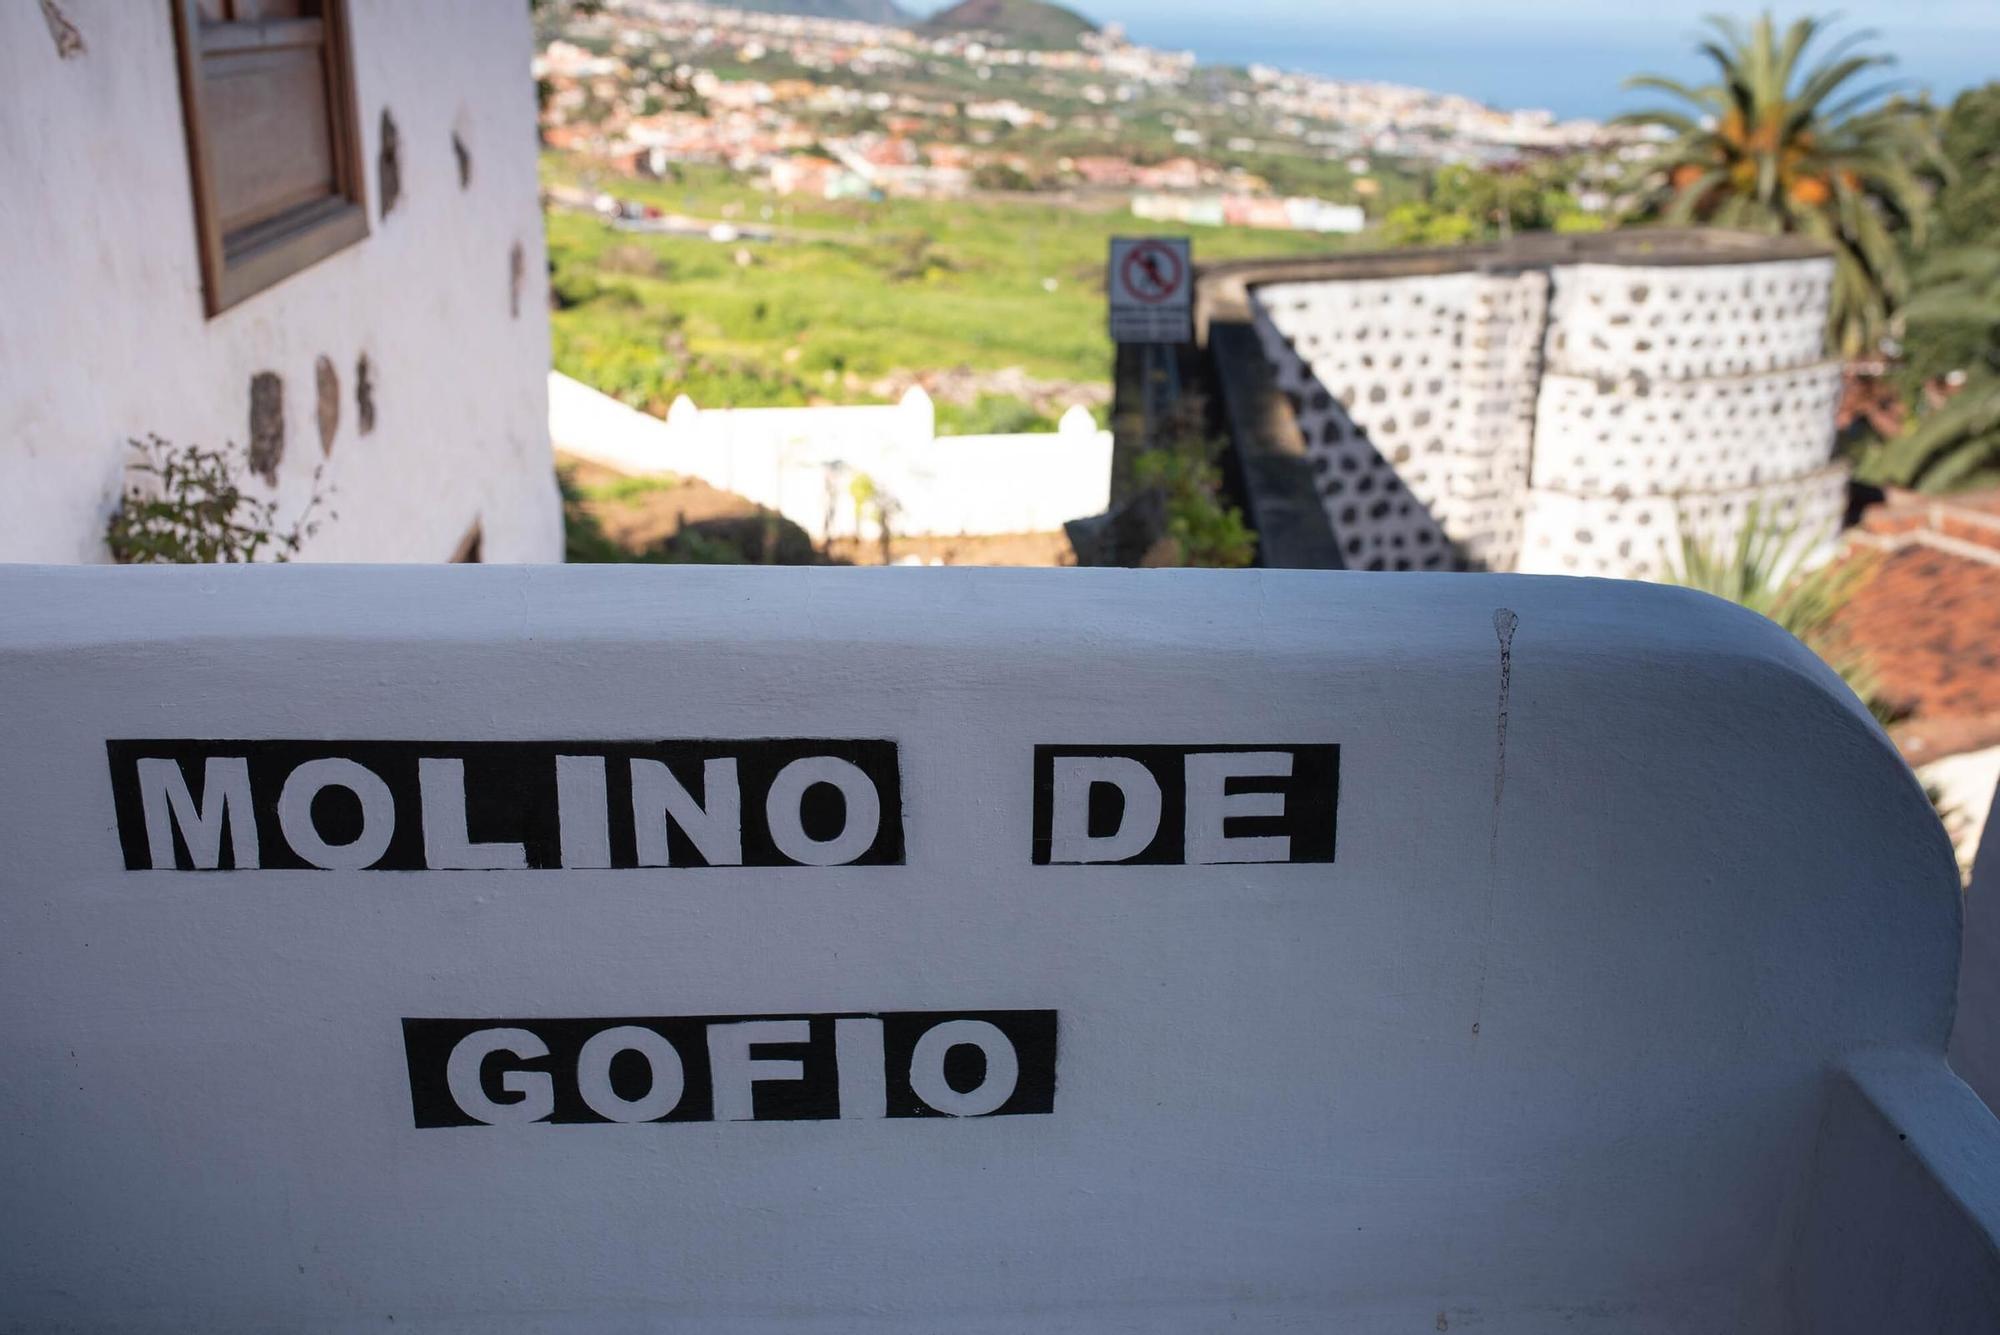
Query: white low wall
[[1470, 953], [803, 462]]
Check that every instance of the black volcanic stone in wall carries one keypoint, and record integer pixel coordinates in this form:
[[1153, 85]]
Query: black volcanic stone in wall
[[267, 425]]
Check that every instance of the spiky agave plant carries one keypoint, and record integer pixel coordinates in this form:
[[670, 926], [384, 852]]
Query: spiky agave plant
[[1767, 568], [1775, 145]]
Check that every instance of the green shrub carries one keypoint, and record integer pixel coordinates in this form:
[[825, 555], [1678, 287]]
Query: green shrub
[[1205, 529], [184, 506]]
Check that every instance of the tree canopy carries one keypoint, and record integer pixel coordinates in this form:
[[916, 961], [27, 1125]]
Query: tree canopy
[[1775, 144]]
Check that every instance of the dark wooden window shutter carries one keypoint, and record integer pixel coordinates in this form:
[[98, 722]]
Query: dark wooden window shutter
[[274, 146]]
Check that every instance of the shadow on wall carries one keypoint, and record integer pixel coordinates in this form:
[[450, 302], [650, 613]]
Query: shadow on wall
[[1377, 522]]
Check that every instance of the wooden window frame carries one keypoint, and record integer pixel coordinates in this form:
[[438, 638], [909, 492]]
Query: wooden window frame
[[236, 267]]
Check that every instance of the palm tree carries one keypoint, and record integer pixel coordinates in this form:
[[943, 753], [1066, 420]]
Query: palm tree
[[1958, 443], [1773, 146]]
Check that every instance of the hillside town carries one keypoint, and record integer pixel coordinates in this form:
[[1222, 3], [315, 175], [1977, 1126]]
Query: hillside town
[[837, 109]]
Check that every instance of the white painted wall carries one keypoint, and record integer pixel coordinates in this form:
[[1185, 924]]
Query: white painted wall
[[802, 462], [102, 335], [1624, 876]]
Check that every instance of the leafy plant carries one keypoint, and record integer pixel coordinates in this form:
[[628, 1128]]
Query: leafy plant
[[1764, 568], [1774, 146], [1956, 443], [184, 506], [1206, 529]]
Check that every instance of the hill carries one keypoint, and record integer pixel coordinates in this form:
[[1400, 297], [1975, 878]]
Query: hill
[[867, 11], [1027, 23]]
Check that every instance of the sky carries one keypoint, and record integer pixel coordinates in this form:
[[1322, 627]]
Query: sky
[[1569, 57]]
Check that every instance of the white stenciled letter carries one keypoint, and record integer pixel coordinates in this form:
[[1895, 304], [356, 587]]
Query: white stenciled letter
[[461, 1073], [295, 814], [713, 825], [447, 844], [583, 812], [857, 1051], [1003, 1068], [593, 1074], [1208, 806], [861, 807], [1070, 839], [225, 801], [734, 1073]]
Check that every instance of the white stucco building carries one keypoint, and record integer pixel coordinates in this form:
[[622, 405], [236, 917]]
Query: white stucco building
[[307, 228]]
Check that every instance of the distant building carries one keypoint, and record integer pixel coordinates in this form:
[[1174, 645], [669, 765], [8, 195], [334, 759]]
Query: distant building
[[340, 272], [1298, 214]]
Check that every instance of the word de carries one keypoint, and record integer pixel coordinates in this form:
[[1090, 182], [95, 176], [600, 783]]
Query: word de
[[731, 1068], [503, 806], [1198, 805]]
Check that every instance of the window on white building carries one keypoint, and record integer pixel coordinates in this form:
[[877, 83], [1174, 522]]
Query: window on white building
[[274, 146]]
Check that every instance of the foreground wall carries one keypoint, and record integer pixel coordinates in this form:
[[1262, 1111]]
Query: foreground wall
[[102, 332], [1470, 953]]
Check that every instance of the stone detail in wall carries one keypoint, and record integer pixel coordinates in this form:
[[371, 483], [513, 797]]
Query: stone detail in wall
[[1639, 537], [267, 425], [517, 274], [69, 42], [389, 163], [1437, 373], [1680, 322], [464, 156], [326, 381], [364, 394], [1665, 436], [1378, 521]]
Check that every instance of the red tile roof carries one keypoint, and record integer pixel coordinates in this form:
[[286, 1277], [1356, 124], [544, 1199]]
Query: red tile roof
[[1926, 618]]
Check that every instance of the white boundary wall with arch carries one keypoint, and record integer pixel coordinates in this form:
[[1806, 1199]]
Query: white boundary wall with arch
[[803, 462], [1489, 952]]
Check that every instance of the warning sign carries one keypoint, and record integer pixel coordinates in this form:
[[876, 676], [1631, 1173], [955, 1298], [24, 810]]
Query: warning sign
[[1151, 287]]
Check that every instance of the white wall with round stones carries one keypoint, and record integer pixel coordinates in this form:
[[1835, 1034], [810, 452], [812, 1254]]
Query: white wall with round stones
[[1564, 418], [1416, 397]]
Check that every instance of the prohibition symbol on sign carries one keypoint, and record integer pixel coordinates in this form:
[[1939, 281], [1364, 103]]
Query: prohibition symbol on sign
[[1149, 289], [1152, 272]]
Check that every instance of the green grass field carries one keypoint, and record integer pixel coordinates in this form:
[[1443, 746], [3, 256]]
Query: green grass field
[[868, 289]]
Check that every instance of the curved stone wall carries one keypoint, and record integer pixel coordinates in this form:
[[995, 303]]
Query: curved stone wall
[[1562, 419], [1684, 322], [1423, 385]]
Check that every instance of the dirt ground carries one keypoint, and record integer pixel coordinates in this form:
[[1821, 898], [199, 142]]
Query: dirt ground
[[636, 517]]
